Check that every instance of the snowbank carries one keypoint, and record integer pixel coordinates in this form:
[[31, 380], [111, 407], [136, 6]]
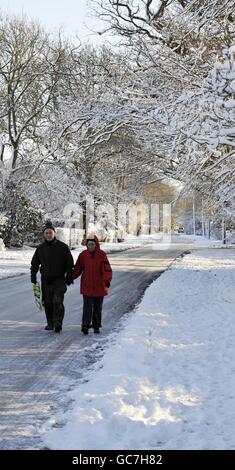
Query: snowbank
[[168, 380]]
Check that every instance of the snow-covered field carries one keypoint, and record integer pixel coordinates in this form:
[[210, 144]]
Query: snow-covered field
[[167, 381]]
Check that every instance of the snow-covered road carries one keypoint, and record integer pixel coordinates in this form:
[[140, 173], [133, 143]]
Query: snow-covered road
[[38, 367]]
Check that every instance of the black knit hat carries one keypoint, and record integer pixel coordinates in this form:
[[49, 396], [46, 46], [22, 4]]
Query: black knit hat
[[48, 225]]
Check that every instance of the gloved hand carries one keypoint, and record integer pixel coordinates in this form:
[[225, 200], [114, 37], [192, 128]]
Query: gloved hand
[[34, 278], [107, 284], [68, 280]]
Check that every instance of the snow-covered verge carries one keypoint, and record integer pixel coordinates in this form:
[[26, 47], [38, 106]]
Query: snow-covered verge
[[14, 262], [167, 380]]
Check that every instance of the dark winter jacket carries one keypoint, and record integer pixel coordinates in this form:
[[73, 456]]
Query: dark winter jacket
[[95, 270], [54, 259]]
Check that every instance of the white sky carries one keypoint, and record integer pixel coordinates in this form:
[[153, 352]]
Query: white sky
[[70, 15]]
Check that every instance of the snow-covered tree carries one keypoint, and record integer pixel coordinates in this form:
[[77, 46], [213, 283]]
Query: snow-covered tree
[[175, 44], [29, 71], [20, 222], [206, 126]]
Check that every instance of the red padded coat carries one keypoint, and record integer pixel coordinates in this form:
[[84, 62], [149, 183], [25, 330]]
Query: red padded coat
[[95, 270]]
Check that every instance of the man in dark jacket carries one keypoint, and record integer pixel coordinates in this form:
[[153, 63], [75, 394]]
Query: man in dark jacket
[[55, 261], [96, 272]]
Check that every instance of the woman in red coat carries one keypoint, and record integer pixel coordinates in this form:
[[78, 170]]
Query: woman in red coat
[[96, 273]]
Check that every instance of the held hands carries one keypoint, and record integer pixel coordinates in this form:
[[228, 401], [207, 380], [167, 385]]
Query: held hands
[[69, 280]]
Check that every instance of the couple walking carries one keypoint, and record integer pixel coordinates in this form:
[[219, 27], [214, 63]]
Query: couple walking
[[55, 262]]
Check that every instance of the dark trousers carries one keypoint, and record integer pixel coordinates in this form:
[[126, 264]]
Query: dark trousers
[[53, 298], [92, 312]]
